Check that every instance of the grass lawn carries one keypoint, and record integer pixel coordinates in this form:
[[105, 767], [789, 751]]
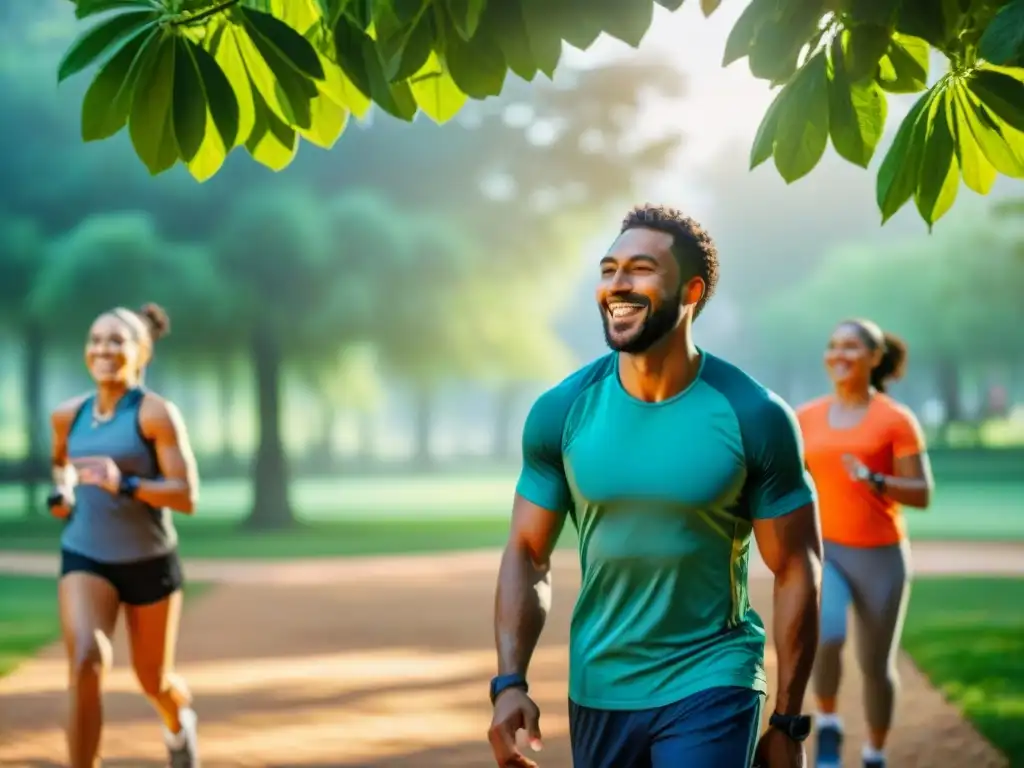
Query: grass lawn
[[364, 516], [967, 636], [29, 619]]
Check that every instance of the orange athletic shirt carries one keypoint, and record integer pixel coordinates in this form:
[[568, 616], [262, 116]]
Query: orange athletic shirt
[[851, 513]]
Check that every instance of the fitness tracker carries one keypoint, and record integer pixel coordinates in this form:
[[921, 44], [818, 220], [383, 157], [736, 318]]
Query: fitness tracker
[[875, 479], [797, 727], [129, 486], [502, 683]]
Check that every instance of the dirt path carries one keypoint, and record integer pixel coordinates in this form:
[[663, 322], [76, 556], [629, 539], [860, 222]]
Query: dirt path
[[384, 662]]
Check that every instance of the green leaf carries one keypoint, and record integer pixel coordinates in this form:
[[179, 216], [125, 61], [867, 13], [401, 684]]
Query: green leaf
[[940, 178], [349, 42], [394, 98], [272, 142], [99, 39], [802, 131], [708, 7], [864, 47], [300, 15], [1000, 92], [407, 10], [286, 91], [220, 96], [339, 89], [979, 174], [228, 54], [997, 142], [764, 141], [86, 8], [436, 92], [504, 23], [211, 155], [188, 102], [776, 48], [149, 122], [904, 68], [1003, 40], [406, 46], [465, 16], [329, 121], [671, 5], [295, 49], [577, 22], [856, 114], [901, 167], [625, 21], [741, 36], [545, 41], [877, 12], [108, 100], [476, 66], [924, 19]]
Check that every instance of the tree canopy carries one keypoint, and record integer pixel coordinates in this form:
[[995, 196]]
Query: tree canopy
[[193, 79]]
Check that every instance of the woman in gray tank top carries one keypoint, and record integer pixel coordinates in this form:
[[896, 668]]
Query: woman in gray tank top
[[121, 463]]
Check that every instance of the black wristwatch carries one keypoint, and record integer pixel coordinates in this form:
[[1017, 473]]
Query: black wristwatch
[[129, 486], [877, 481], [502, 683], [55, 499], [797, 727]]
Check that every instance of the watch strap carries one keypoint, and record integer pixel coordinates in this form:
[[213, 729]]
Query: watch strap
[[129, 486], [796, 727], [502, 683]]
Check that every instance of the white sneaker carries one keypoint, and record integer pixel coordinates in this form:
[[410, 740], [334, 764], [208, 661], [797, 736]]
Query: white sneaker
[[183, 746]]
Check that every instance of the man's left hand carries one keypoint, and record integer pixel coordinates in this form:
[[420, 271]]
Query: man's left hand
[[777, 750]]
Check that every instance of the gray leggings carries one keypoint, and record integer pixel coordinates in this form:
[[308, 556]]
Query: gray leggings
[[876, 580]]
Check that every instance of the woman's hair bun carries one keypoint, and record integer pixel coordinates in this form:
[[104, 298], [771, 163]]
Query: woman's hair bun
[[156, 319]]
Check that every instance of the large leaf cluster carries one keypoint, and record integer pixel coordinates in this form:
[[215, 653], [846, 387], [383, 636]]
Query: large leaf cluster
[[193, 79]]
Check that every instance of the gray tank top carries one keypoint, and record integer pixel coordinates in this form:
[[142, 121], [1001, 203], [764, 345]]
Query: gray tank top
[[103, 526]]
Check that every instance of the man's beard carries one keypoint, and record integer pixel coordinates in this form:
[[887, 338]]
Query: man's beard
[[658, 324]]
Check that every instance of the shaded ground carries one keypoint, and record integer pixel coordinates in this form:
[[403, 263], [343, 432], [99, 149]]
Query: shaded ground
[[384, 663]]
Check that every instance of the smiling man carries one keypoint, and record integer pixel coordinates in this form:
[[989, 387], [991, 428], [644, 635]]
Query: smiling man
[[667, 459]]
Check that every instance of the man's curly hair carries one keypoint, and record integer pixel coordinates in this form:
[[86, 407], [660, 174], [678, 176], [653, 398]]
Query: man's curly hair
[[692, 246]]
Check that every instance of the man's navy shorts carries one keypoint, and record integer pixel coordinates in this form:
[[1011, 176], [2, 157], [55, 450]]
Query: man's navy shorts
[[716, 728]]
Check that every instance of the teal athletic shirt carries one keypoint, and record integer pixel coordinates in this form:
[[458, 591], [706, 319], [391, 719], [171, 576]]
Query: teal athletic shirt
[[663, 495]]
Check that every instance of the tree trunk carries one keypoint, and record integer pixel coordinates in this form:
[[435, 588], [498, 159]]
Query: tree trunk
[[424, 426], [225, 397], [271, 504], [34, 467], [505, 402]]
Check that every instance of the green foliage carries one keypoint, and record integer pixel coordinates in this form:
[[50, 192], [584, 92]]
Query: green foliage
[[216, 74], [120, 260]]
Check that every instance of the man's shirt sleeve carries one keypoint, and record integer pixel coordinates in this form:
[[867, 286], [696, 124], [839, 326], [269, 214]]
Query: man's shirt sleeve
[[542, 480], [779, 481]]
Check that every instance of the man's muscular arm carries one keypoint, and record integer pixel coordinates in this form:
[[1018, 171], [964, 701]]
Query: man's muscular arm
[[788, 534], [524, 584], [791, 548]]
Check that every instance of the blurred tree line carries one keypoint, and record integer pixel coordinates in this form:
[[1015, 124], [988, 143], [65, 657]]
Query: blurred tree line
[[955, 298], [437, 252]]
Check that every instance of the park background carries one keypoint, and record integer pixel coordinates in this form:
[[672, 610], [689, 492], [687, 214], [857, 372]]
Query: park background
[[356, 340]]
